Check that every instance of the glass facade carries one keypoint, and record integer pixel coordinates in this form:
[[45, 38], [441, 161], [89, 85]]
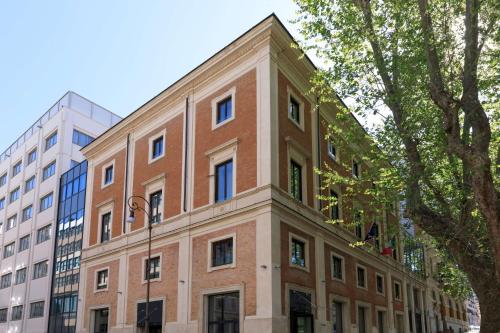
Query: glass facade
[[65, 278]]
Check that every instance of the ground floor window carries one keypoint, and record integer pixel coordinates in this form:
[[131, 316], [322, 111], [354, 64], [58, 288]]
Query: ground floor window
[[381, 321], [362, 320], [101, 320], [338, 317], [224, 313], [155, 316], [301, 316]]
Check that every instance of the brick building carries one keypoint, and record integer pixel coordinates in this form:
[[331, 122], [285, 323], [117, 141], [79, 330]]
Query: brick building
[[226, 156]]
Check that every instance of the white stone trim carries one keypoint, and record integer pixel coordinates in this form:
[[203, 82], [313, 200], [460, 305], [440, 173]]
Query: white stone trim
[[210, 242], [292, 94], [221, 154], [332, 254], [102, 210], [397, 298], [215, 101], [296, 156], [143, 271], [291, 237], [377, 274], [96, 281], [103, 173], [151, 139], [153, 185], [203, 304], [365, 275], [368, 315], [346, 310]]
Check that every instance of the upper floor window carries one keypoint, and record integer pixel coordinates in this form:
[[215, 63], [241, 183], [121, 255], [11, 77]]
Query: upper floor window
[[21, 275], [43, 234], [294, 110], [358, 223], [224, 109], [9, 250], [5, 281], [2, 203], [50, 141], [16, 168], [296, 180], [338, 267], [3, 179], [49, 170], [361, 277], [222, 252], [81, 139], [335, 209], [17, 312], [108, 175], [157, 148], [14, 195], [3, 315], [155, 201], [102, 279], [298, 257], [397, 291], [24, 243], [29, 184], [380, 284], [27, 213], [355, 168], [36, 309], [105, 227], [224, 181], [46, 202], [11, 222], [332, 150], [154, 268], [31, 156], [40, 269]]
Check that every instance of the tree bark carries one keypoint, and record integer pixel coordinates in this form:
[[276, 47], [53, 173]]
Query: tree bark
[[488, 294]]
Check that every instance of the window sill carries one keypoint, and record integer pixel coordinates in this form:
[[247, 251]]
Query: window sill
[[217, 268], [300, 126], [302, 268], [153, 160], [222, 123], [96, 291], [151, 280], [338, 280]]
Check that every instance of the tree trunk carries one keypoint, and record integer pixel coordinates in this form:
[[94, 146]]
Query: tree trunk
[[488, 293]]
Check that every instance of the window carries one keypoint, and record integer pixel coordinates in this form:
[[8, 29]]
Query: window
[[338, 317], [358, 223], [14, 195], [3, 179], [36, 309], [40, 269], [5, 281], [50, 141], [224, 181], [301, 312], [332, 150], [376, 230], [296, 180], [108, 175], [362, 320], [27, 213], [17, 312], [224, 110], [11, 222], [298, 253], [223, 313], [222, 252], [29, 184], [154, 269], [102, 280], [338, 267], [157, 148], [2, 203], [43, 234], [73, 164], [155, 201], [3, 315], [46, 202], [9, 250], [381, 321], [294, 110], [105, 227], [31, 156], [361, 277], [355, 168], [335, 209], [24, 243], [49, 170], [380, 284], [21, 275], [81, 139], [16, 168], [397, 291]]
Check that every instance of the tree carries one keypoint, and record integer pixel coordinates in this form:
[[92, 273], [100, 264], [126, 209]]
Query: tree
[[431, 67]]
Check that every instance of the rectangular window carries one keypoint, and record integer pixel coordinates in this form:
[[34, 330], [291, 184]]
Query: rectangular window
[[332, 150], [222, 252], [24, 243], [154, 269], [108, 175], [29, 184], [81, 139], [361, 277], [11, 222], [157, 147], [16, 168], [51, 141], [294, 110], [14, 195], [298, 253], [337, 317], [362, 320], [17, 312], [27, 213], [224, 181], [3, 315], [102, 280], [223, 313], [105, 227], [296, 180], [40, 269], [21, 275], [381, 321], [380, 284], [355, 168], [224, 109], [3, 179], [155, 201], [9, 250], [358, 223], [36, 309], [337, 265], [49, 170], [5, 281], [46, 202], [43, 234], [397, 291], [31, 156], [335, 211], [2, 203]]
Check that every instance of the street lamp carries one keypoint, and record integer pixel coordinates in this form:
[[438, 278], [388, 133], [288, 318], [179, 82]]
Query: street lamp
[[148, 209]]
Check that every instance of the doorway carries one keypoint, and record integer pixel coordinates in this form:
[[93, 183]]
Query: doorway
[[100, 320]]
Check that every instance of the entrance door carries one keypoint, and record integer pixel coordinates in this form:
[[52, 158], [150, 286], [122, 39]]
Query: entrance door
[[381, 321], [101, 320], [362, 320], [301, 316], [337, 317]]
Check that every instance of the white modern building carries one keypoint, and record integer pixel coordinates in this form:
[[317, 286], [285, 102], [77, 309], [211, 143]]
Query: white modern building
[[30, 170]]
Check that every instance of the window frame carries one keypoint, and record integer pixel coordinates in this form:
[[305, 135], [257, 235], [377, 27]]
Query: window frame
[[15, 190], [218, 155], [34, 269], [104, 168], [49, 137], [25, 275], [358, 168], [50, 166], [342, 266], [230, 93], [32, 180], [96, 280], [346, 310], [377, 275], [100, 227], [13, 244], [216, 181], [42, 229], [23, 213], [338, 205], [27, 236], [19, 306], [8, 225], [143, 271], [3, 179], [151, 141], [17, 168], [397, 297], [31, 311], [9, 280], [46, 196], [29, 159], [365, 287], [210, 243], [329, 145], [291, 237], [291, 94]]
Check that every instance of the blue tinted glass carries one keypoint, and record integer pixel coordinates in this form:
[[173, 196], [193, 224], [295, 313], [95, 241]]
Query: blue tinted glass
[[229, 179], [221, 173], [224, 110]]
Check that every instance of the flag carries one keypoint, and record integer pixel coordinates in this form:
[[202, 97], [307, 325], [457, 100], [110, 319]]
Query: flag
[[372, 233]]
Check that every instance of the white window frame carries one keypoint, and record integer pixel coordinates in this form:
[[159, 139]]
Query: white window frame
[[206, 293], [329, 144], [143, 271], [290, 94], [47, 137], [218, 155], [291, 237], [96, 281], [103, 174], [377, 274], [210, 242], [386, 317], [368, 315], [397, 298], [34, 149], [355, 160], [332, 254], [151, 139], [46, 195], [366, 277], [151, 186], [103, 210], [357, 207], [346, 310], [336, 189], [215, 101], [298, 158], [20, 163]]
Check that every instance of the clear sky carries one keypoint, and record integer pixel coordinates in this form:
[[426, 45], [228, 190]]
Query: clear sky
[[117, 53]]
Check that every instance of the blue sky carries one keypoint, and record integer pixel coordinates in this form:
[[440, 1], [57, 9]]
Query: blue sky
[[118, 54]]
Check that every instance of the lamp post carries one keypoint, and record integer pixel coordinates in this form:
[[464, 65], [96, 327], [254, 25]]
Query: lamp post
[[148, 209]]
